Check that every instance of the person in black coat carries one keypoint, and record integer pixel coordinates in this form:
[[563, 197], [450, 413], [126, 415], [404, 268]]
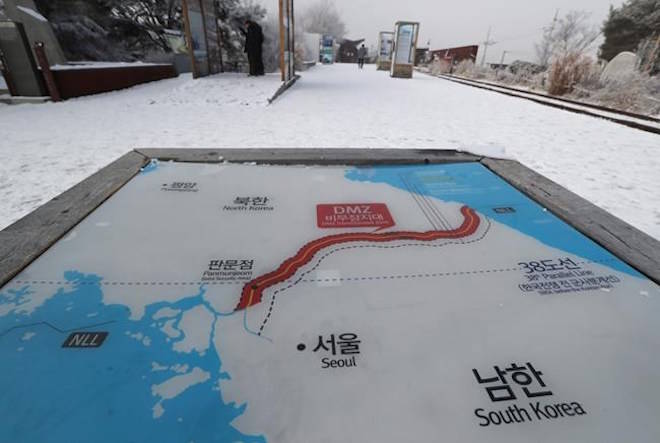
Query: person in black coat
[[254, 39]]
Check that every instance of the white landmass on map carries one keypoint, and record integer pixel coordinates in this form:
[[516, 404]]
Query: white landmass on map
[[196, 326], [175, 386], [420, 339]]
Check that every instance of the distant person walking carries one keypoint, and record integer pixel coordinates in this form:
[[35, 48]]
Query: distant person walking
[[254, 39], [362, 54]]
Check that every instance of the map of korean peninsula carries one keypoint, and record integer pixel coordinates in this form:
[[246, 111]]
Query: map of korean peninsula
[[253, 303]]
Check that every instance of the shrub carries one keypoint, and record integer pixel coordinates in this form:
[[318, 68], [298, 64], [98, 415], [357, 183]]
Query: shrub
[[467, 68], [566, 71], [636, 92], [439, 67]]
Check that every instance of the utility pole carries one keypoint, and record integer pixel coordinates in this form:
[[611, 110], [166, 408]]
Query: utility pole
[[502, 60], [429, 54], [486, 44]]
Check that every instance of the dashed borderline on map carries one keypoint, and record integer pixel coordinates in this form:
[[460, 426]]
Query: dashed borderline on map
[[55, 328], [127, 283], [327, 254], [320, 280]]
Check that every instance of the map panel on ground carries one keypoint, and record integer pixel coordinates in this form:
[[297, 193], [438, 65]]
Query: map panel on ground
[[248, 303]]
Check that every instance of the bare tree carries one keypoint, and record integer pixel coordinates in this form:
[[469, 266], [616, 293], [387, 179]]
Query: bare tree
[[574, 33], [323, 17], [544, 47], [571, 39], [571, 34]]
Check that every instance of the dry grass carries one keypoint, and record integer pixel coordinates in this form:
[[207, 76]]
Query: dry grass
[[636, 92], [578, 77], [439, 67], [567, 71]]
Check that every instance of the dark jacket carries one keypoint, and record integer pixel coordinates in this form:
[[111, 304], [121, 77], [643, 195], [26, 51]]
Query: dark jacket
[[254, 38]]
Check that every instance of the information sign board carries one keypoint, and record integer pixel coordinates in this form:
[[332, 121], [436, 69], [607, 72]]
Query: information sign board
[[260, 303], [213, 48], [385, 47], [202, 35], [405, 44], [327, 49]]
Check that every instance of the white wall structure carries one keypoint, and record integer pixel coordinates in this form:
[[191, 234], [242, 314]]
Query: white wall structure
[[37, 28], [311, 47]]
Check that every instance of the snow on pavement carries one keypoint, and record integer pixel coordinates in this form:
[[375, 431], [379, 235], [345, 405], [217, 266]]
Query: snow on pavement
[[47, 148]]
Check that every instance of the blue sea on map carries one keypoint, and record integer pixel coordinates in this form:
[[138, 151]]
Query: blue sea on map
[[55, 394], [474, 185]]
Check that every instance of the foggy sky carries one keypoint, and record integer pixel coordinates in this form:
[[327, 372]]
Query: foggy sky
[[516, 24]]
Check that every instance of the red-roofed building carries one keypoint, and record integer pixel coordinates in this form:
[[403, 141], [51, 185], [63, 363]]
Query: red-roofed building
[[456, 55]]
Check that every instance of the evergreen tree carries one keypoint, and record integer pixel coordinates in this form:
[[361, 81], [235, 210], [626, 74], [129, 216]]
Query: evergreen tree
[[628, 25], [231, 19], [128, 30], [93, 30]]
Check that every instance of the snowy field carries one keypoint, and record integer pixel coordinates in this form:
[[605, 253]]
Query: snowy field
[[47, 148]]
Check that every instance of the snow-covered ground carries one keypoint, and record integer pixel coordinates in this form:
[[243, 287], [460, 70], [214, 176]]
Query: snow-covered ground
[[46, 148]]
